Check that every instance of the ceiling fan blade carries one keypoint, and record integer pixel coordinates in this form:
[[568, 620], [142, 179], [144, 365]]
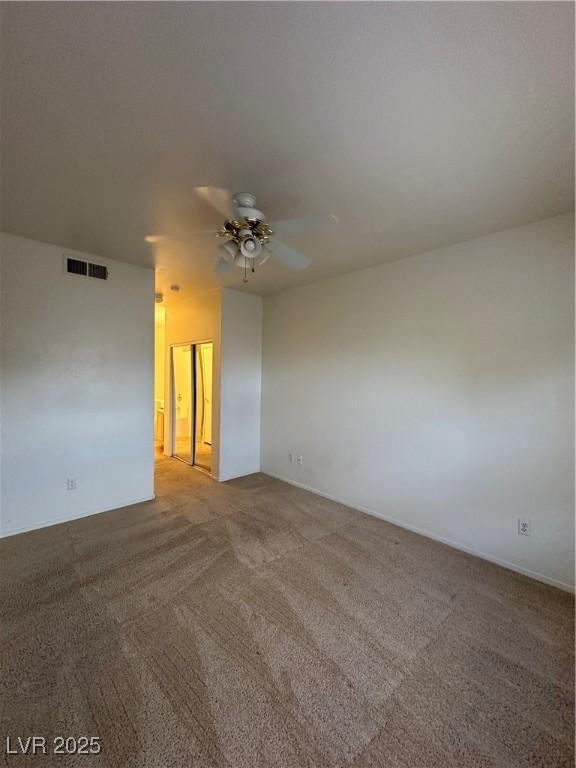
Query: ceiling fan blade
[[219, 199], [288, 227], [222, 265], [290, 258], [167, 239], [202, 233]]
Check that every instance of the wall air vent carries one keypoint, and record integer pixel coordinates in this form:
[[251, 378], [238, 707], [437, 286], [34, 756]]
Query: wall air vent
[[76, 267], [98, 271], [85, 268]]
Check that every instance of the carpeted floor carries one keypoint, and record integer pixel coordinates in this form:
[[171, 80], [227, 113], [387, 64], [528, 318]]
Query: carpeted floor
[[254, 625]]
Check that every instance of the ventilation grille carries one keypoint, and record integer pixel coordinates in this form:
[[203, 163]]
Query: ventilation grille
[[85, 268], [76, 267], [98, 271]]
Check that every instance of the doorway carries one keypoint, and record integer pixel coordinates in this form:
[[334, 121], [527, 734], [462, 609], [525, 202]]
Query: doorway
[[192, 403]]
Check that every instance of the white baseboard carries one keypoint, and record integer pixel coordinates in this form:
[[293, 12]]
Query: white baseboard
[[237, 476], [424, 532], [4, 534]]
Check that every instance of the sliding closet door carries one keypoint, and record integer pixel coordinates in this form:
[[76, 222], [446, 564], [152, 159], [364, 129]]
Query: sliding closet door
[[203, 378], [183, 403]]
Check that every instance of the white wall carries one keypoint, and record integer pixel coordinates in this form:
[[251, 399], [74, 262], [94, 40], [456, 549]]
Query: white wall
[[437, 391], [77, 386], [240, 384]]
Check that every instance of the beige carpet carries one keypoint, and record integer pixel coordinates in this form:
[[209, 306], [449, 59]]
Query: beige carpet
[[254, 625]]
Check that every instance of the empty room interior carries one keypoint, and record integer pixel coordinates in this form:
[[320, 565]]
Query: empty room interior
[[287, 384]]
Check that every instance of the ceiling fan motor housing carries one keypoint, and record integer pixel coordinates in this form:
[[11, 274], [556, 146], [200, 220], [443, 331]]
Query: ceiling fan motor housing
[[250, 214], [244, 203], [244, 200]]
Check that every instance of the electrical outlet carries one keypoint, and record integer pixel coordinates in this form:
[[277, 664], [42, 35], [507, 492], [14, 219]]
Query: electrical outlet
[[300, 460], [291, 457], [71, 484], [524, 527]]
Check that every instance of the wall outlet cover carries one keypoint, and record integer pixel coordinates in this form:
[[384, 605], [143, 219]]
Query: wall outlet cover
[[524, 527]]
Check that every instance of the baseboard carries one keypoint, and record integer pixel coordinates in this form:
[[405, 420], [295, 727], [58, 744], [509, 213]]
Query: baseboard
[[64, 519], [424, 532], [226, 478]]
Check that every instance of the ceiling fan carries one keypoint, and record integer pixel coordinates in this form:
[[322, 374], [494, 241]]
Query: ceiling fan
[[249, 240]]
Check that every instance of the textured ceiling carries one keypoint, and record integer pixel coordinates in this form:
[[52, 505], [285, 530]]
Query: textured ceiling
[[417, 124]]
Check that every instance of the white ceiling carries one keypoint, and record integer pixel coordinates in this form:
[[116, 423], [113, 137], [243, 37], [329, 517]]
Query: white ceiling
[[418, 124]]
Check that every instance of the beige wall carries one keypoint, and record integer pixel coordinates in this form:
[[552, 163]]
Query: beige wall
[[159, 374], [437, 391], [159, 352]]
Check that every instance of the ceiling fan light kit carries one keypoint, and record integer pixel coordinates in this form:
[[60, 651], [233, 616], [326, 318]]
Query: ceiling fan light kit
[[228, 250], [249, 238]]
